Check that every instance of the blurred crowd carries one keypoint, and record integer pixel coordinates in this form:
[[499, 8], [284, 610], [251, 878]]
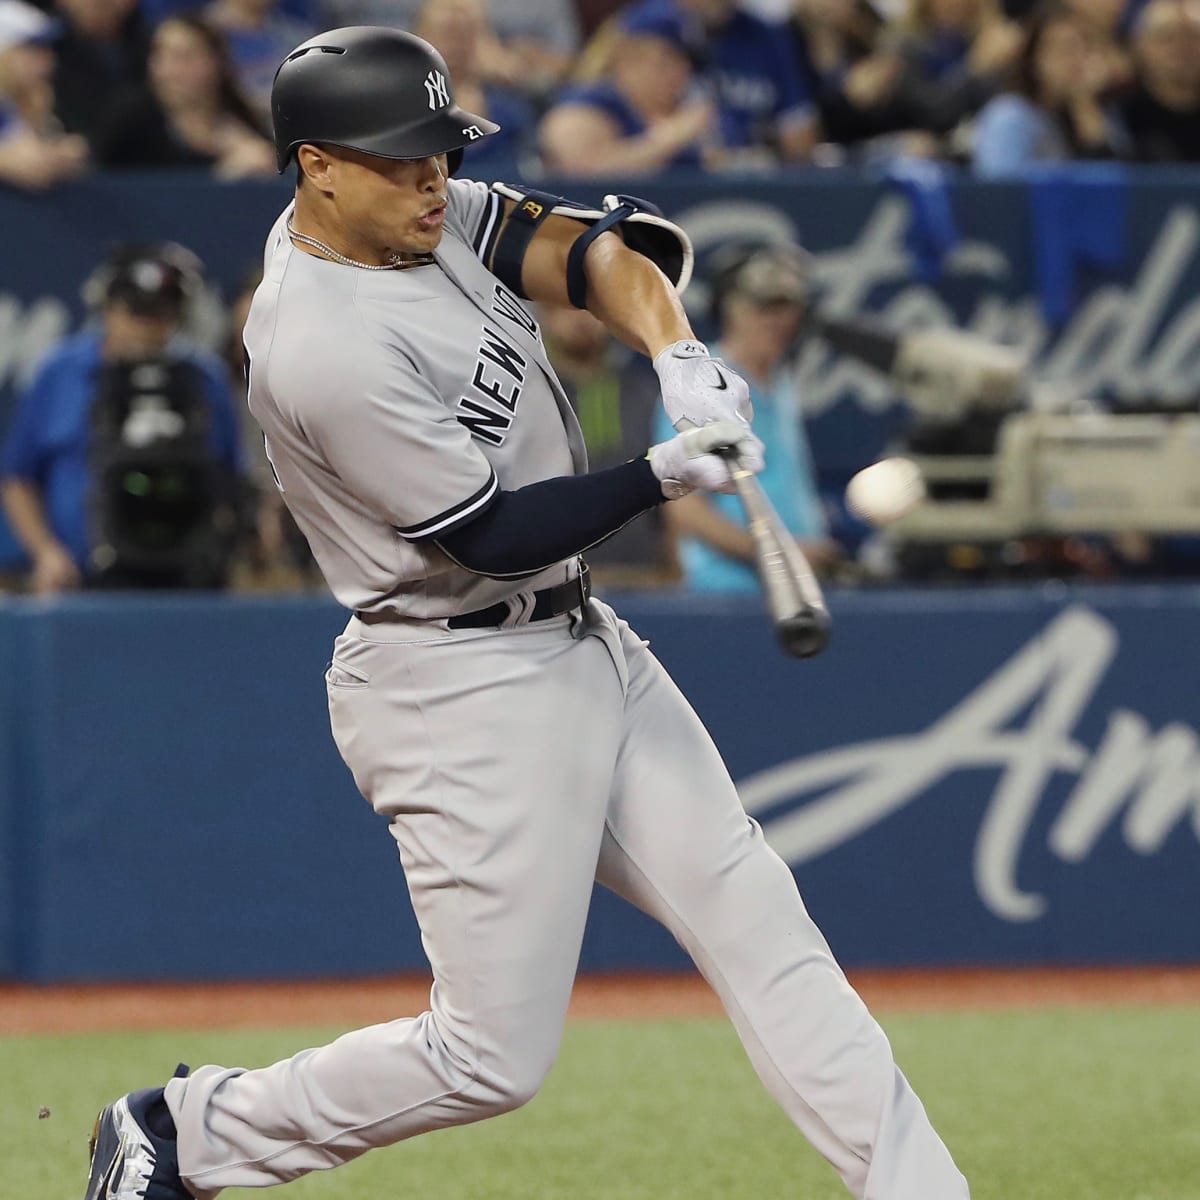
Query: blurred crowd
[[130, 460], [596, 86]]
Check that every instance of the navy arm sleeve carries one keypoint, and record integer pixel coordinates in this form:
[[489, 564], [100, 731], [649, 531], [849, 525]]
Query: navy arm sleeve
[[523, 531]]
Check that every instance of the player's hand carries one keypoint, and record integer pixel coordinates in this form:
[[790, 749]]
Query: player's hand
[[699, 388], [54, 570], [689, 460]]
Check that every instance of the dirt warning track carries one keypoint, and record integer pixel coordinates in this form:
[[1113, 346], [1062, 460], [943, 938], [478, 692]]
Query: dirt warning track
[[96, 1008]]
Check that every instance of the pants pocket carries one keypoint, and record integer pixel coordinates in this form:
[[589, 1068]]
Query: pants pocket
[[340, 674]]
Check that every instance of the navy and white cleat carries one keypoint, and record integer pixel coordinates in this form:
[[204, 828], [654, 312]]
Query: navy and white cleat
[[133, 1150]]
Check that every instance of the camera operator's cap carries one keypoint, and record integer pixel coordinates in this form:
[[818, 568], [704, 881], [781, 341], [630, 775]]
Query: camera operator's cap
[[771, 276], [23, 25], [151, 286]]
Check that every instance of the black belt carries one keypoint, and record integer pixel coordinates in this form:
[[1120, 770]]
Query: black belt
[[547, 603]]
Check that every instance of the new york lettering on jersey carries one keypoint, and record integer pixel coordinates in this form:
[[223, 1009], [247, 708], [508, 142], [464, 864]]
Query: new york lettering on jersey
[[506, 320], [489, 406]]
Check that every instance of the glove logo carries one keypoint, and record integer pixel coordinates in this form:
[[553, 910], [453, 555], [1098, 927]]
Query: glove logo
[[438, 92], [720, 385]]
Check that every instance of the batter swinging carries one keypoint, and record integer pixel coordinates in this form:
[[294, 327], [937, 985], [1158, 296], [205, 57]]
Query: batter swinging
[[521, 739]]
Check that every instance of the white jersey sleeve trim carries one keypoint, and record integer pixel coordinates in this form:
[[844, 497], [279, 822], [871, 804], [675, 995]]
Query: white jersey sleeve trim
[[489, 223], [455, 516]]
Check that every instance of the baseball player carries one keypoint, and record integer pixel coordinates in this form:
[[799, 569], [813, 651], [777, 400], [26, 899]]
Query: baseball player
[[520, 738]]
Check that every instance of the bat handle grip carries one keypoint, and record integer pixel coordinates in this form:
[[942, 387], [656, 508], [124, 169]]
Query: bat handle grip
[[729, 453]]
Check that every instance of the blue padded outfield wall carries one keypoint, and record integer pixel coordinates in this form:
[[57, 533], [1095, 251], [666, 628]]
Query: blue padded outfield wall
[[965, 777], [1094, 269]]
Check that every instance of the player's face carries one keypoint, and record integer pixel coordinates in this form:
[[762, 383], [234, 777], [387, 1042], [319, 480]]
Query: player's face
[[390, 204]]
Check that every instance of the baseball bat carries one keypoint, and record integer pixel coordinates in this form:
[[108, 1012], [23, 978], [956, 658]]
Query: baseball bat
[[794, 599]]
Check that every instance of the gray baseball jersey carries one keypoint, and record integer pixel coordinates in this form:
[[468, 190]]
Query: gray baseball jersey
[[394, 405]]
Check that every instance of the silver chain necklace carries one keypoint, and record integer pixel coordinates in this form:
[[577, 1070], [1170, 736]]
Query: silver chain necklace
[[396, 263]]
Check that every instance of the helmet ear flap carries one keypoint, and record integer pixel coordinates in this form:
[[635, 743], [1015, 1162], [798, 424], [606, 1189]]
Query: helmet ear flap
[[453, 161]]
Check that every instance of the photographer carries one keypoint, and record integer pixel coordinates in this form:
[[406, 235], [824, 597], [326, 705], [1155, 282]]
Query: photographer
[[122, 463]]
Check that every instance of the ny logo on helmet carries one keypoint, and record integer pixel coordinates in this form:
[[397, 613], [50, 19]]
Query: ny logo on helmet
[[435, 85]]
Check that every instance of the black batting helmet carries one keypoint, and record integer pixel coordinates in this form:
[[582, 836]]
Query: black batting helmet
[[372, 89]]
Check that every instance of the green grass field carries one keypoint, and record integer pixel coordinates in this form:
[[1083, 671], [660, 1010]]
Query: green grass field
[[1057, 1104]]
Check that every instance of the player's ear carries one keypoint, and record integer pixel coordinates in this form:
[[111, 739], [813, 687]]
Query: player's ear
[[313, 166]]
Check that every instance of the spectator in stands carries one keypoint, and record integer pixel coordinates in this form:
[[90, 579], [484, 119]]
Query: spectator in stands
[[759, 301], [533, 48], [542, 36], [1162, 111], [34, 152], [765, 105], [956, 56], [157, 11], [836, 43], [1112, 20], [259, 37], [100, 53], [616, 395], [191, 112], [1057, 110], [49, 481], [647, 115], [459, 30]]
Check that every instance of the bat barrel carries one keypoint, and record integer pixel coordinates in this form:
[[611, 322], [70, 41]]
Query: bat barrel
[[805, 634]]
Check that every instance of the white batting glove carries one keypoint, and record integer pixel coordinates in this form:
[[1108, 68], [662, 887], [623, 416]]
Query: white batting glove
[[699, 388], [687, 461]]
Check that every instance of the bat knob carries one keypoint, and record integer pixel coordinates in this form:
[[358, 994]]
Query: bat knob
[[806, 633]]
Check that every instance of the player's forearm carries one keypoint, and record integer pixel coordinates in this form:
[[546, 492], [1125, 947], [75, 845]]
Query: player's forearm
[[26, 516], [633, 297], [531, 528]]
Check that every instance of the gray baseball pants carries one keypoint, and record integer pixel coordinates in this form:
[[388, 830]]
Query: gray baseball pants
[[517, 766]]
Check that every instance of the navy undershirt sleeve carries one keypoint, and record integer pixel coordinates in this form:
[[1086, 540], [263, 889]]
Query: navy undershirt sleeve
[[533, 527]]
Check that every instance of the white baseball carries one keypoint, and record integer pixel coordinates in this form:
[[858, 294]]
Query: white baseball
[[885, 491]]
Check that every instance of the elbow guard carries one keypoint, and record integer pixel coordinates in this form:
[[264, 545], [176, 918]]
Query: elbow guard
[[641, 225]]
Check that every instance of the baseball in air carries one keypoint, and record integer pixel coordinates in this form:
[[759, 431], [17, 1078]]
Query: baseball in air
[[885, 491]]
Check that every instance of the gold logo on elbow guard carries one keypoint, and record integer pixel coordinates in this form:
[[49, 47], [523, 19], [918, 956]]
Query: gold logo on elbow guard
[[533, 208]]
